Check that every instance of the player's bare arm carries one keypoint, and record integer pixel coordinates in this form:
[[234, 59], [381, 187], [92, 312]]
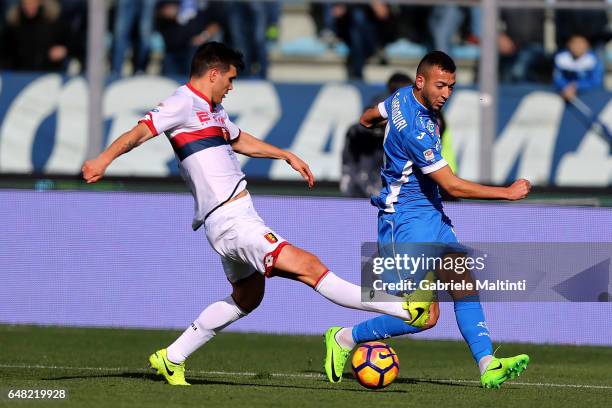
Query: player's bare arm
[[460, 188], [371, 117], [93, 170], [251, 146]]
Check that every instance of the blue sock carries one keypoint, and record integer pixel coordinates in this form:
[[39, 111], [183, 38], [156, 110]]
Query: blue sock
[[381, 327], [473, 327]]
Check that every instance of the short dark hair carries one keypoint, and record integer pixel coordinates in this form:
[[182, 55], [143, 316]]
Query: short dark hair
[[436, 59], [215, 55], [398, 80]]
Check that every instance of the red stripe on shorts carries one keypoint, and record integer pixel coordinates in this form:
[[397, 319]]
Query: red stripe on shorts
[[274, 254]]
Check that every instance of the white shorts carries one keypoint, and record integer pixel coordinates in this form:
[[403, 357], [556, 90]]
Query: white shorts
[[243, 240]]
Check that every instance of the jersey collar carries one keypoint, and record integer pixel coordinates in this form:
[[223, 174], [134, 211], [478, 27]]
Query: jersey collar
[[201, 95], [418, 104]]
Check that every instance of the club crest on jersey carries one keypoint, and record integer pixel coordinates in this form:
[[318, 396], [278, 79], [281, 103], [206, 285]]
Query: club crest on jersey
[[429, 155], [271, 238], [430, 126]]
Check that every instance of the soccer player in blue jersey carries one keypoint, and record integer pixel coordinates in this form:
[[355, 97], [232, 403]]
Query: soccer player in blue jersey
[[410, 211]]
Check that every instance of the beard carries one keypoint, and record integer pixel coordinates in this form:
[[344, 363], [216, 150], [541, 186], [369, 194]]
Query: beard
[[428, 104]]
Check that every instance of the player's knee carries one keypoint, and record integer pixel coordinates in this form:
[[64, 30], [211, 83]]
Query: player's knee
[[314, 267], [247, 302]]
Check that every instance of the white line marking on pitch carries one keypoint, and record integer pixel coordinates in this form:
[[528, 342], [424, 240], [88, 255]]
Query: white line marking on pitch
[[290, 375]]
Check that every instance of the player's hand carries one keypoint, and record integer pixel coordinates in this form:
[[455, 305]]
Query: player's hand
[[301, 167], [93, 170], [519, 190]]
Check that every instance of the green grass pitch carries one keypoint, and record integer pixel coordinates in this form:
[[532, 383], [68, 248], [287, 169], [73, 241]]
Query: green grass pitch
[[108, 368]]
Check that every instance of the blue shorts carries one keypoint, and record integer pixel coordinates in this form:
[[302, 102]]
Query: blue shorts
[[423, 226], [424, 233]]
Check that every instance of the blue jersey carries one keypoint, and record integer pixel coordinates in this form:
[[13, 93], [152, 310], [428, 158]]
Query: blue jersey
[[412, 149]]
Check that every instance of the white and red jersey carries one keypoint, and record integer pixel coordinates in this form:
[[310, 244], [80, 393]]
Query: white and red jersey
[[200, 133]]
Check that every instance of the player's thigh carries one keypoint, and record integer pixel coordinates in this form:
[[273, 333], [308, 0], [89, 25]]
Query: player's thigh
[[298, 264], [236, 270], [446, 232], [423, 227], [245, 242]]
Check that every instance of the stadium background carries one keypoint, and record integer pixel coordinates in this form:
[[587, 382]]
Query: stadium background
[[79, 255]]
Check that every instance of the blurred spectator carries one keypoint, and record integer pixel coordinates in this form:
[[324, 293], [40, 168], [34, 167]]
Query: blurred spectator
[[128, 13], [273, 14], [362, 29], [362, 156], [247, 23], [577, 68], [188, 10], [3, 7], [74, 15], [34, 37], [593, 24], [180, 40], [444, 23], [473, 35], [521, 46], [325, 21], [411, 23]]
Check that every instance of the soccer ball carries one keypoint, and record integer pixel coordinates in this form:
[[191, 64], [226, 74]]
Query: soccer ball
[[375, 365]]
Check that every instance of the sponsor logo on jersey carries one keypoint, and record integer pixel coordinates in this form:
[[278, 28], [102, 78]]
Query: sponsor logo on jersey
[[203, 116], [421, 136], [429, 155], [396, 114], [271, 238]]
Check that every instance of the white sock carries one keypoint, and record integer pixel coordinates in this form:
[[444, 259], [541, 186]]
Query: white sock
[[484, 363], [213, 319], [346, 294], [344, 337]]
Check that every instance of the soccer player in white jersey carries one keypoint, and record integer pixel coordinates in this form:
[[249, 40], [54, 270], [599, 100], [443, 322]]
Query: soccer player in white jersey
[[205, 142]]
